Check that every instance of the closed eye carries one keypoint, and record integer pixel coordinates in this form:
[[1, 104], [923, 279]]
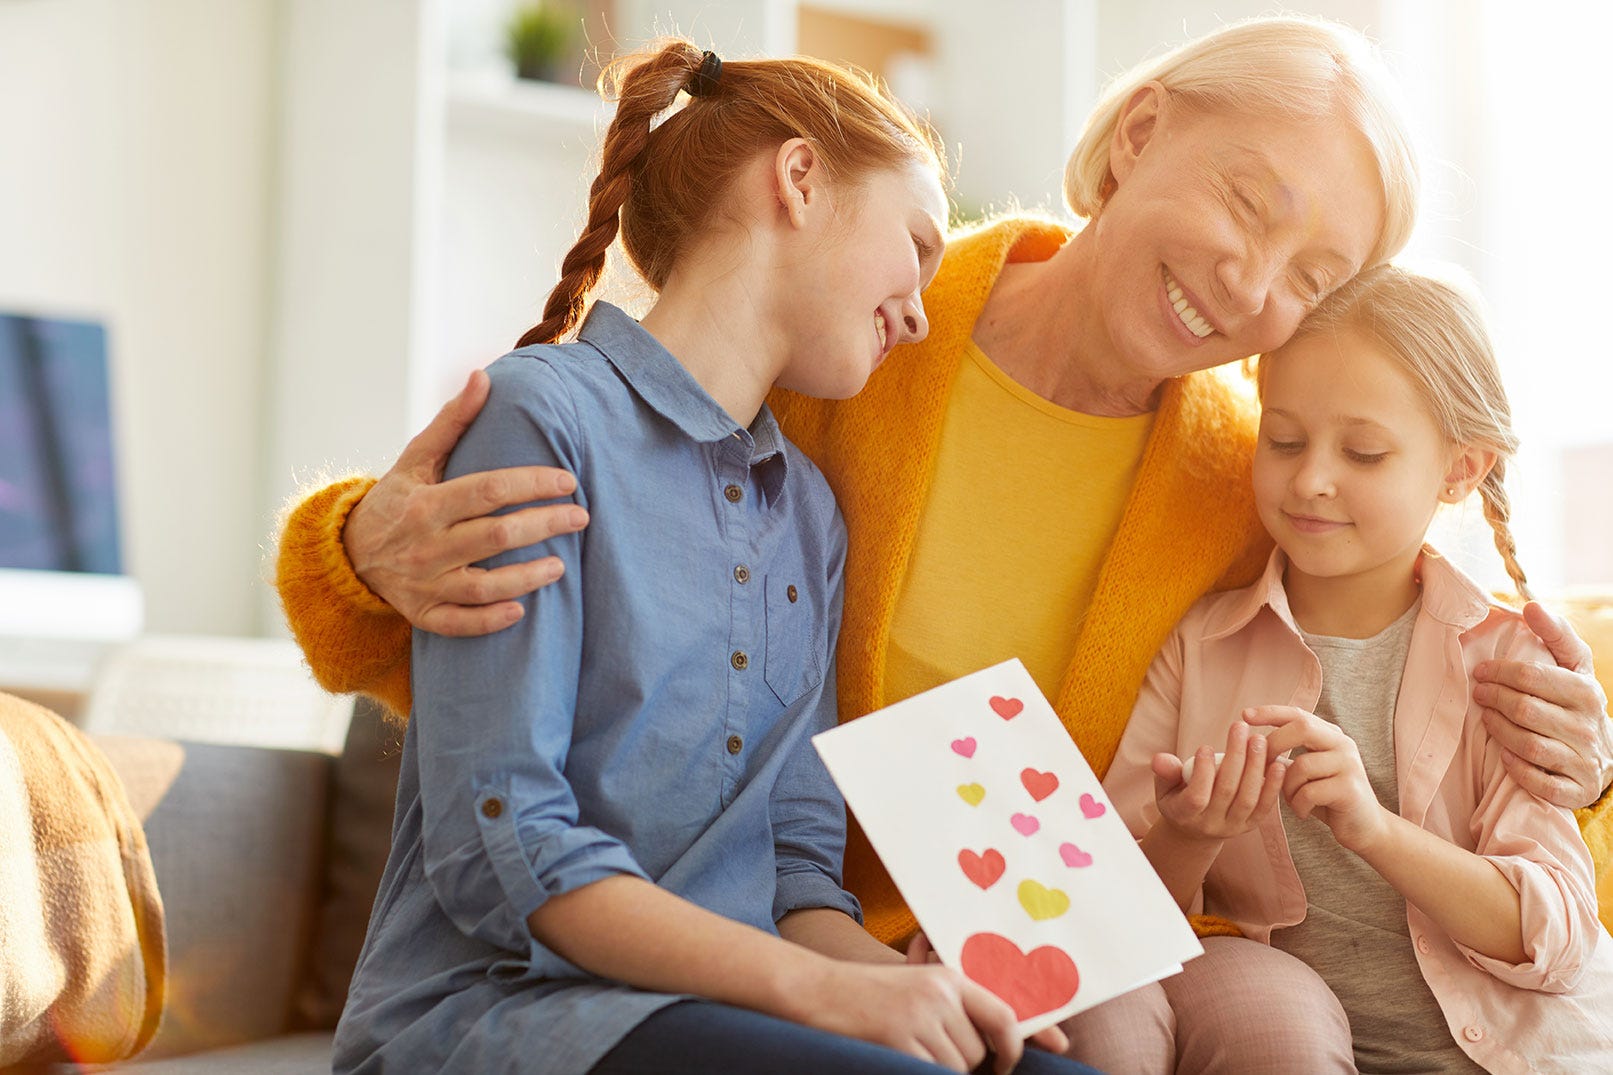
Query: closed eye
[[1284, 447], [1366, 458]]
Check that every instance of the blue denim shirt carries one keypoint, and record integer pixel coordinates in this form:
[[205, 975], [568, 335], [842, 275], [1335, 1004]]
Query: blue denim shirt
[[649, 715]]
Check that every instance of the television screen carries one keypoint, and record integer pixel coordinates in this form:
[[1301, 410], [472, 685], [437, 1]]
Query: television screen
[[58, 494]]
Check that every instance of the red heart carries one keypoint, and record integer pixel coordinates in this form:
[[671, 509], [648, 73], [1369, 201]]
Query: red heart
[[984, 869], [1032, 983], [1006, 708], [1040, 785]]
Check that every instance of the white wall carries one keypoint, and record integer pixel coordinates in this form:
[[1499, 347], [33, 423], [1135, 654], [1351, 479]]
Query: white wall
[[135, 165]]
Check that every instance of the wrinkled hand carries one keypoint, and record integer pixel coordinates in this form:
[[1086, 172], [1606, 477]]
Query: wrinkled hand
[[1551, 723], [414, 537], [1328, 781], [1221, 800]]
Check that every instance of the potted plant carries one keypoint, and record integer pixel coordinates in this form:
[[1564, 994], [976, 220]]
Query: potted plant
[[538, 39]]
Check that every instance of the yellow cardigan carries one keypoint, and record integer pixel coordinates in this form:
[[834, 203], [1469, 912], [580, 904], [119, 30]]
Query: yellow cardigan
[[1189, 527]]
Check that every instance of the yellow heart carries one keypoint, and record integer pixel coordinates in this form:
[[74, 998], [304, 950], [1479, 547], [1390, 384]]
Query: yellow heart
[[1042, 903], [971, 793]]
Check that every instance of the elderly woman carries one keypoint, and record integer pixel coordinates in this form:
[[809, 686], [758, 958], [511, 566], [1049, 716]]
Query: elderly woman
[[1054, 474]]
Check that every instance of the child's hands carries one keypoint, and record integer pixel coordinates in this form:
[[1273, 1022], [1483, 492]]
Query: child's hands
[[1328, 781], [1219, 801]]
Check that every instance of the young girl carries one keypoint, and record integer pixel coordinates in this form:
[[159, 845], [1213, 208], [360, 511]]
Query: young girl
[[1453, 914], [611, 824]]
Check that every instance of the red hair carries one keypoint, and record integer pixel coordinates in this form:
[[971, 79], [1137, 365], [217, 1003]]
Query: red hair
[[659, 184]]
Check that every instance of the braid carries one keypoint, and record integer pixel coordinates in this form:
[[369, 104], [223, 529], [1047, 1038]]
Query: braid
[[1497, 512], [645, 91]]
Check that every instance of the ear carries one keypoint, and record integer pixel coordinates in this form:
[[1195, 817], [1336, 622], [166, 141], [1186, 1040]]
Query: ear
[[798, 180], [1470, 466], [1138, 122]]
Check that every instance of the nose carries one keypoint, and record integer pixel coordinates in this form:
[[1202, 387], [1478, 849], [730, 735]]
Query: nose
[[915, 325], [1246, 279], [1314, 478]]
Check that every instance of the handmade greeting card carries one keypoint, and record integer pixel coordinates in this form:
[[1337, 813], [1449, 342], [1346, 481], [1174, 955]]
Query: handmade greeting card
[[1004, 845]]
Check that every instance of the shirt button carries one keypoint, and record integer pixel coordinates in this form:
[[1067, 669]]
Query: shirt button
[[734, 494], [1473, 1033], [492, 808], [791, 594], [741, 574], [739, 660], [735, 744], [1422, 945]]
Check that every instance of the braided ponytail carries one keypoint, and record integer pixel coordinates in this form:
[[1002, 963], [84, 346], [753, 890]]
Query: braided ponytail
[[1498, 513], [645, 91], [662, 180]]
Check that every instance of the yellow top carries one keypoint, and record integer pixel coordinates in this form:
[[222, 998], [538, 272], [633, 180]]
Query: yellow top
[[1188, 527], [1024, 504]]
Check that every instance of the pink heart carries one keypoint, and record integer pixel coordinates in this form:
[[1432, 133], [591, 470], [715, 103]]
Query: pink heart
[[1006, 708], [1024, 824], [1074, 856], [965, 747], [1091, 808]]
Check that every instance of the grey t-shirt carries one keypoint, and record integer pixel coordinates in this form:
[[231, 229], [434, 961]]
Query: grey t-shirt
[[1354, 933]]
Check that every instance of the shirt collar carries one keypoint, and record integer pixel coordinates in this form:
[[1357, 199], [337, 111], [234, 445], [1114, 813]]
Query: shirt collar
[[661, 381], [1449, 596]]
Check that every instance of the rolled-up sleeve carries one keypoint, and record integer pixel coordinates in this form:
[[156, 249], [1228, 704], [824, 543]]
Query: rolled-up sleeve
[[494, 714], [807, 812], [1538, 848]]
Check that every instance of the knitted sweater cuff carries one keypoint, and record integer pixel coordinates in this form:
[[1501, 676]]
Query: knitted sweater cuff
[[351, 637]]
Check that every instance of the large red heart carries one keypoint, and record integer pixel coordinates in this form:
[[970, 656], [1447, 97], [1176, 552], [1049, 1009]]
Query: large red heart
[[1032, 983], [984, 869], [1039, 784], [1006, 708]]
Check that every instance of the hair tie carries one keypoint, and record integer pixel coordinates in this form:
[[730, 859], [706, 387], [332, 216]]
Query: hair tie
[[704, 83]]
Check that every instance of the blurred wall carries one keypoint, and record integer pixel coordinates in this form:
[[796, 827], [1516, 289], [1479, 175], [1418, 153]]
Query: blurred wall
[[136, 157]]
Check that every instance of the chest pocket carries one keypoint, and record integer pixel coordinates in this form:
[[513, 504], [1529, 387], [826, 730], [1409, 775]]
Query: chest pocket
[[795, 639]]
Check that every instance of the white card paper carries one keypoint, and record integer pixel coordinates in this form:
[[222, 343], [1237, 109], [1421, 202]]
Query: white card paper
[[1004, 845]]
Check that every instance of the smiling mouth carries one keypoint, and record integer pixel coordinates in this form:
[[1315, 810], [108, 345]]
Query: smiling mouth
[[1190, 317], [1311, 524], [881, 333]]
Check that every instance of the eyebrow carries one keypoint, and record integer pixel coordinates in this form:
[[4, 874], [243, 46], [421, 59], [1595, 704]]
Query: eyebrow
[[1340, 419]]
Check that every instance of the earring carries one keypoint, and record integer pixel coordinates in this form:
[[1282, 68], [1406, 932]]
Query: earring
[[1450, 491]]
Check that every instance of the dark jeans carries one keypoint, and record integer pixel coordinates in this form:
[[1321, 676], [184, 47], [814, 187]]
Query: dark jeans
[[704, 1038]]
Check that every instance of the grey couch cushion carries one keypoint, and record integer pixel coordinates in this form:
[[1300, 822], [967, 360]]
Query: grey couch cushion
[[237, 839], [359, 835]]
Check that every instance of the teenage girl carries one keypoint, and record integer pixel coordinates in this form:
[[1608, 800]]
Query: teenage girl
[[615, 849], [1452, 913]]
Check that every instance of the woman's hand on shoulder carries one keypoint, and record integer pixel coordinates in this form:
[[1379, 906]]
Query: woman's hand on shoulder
[[1551, 722], [414, 538]]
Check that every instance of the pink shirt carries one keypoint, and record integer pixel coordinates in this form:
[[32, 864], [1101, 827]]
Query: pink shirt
[[1238, 649]]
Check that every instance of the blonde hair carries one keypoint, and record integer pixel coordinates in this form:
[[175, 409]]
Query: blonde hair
[[660, 182], [1298, 67], [1434, 331]]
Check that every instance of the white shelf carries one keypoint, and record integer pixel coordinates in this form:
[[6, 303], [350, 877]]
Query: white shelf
[[524, 108]]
